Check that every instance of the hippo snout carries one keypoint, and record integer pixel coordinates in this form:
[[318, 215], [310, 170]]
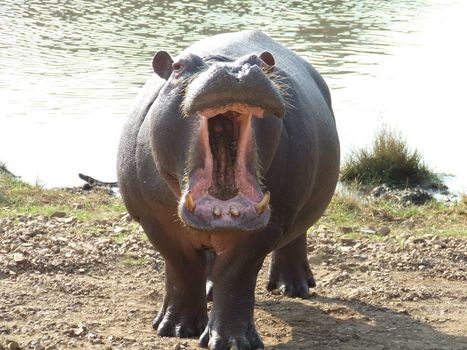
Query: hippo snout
[[243, 81]]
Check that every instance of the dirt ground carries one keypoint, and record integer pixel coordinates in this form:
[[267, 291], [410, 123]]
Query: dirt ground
[[98, 285]]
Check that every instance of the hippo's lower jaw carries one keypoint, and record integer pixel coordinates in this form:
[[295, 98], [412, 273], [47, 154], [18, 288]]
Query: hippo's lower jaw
[[225, 194], [236, 214]]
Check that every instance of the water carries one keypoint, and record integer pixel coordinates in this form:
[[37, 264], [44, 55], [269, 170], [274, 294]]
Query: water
[[69, 71]]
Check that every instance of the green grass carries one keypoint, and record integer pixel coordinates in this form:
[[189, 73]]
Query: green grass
[[388, 161], [20, 198]]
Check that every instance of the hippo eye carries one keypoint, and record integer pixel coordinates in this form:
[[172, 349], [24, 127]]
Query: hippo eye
[[177, 67]]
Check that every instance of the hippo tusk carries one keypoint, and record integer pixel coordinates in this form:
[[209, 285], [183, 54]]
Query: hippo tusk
[[263, 203], [189, 202]]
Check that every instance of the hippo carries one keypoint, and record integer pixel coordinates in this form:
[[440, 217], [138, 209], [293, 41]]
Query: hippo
[[230, 152]]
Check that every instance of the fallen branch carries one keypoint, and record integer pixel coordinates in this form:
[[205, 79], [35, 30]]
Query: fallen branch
[[94, 182]]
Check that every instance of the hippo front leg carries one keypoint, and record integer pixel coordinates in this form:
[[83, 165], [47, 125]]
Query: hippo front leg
[[231, 325], [183, 313]]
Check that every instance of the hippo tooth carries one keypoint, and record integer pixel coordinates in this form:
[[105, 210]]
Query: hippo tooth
[[234, 211], [263, 203], [216, 211], [189, 202]]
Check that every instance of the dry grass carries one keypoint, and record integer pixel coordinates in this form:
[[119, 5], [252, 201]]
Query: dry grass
[[390, 161]]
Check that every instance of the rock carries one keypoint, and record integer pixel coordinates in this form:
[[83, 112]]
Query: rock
[[180, 346], [66, 220], [12, 345], [58, 214], [383, 231], [379, 190], [18, 258], [347, 241], [126, 217], [118, 229], [416, 196], [345, 229], [38, 346], [416, 240], [81, 330], [368, 231]]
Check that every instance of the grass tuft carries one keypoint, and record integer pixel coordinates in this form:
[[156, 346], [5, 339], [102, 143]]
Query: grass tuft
[[129, 259], [388, 161]]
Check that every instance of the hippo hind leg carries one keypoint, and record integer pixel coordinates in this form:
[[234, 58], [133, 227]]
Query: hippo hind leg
[[290, 271]]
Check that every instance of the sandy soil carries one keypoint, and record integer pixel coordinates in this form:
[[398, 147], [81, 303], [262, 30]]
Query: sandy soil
[[98, 285]]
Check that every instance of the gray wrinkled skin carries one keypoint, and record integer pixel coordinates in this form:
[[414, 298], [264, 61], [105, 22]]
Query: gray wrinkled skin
[[295, 157]]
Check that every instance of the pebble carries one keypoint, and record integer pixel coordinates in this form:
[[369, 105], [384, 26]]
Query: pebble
[[369, 231], [384, 231], [346, 229], [18, 257], [12, 345], [347, 241]]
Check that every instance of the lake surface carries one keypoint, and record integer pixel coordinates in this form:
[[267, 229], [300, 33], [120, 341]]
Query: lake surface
[[69, 72]]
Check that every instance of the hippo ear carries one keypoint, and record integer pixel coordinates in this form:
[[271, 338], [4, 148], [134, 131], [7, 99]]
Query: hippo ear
[[268, 58], [162, 64]]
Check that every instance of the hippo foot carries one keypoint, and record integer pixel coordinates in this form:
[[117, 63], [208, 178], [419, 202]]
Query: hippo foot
[[170, 322], [292, 284], [225, 340]]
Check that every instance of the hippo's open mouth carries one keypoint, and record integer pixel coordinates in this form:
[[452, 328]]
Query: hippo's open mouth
[[225, 193]]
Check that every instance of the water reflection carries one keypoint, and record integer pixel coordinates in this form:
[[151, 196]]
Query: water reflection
[[80, 63]]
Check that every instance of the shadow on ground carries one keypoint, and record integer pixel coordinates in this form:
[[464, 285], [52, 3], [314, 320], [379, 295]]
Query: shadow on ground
[[330, 323]]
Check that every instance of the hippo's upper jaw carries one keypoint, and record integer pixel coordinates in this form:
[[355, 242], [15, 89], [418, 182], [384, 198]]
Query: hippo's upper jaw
[[225, 193]]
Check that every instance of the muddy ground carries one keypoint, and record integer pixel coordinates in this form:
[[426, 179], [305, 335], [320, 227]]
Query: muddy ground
[[97, 285]]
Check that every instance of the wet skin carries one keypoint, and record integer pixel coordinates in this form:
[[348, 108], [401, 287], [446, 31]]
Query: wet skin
[[230, 153]]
